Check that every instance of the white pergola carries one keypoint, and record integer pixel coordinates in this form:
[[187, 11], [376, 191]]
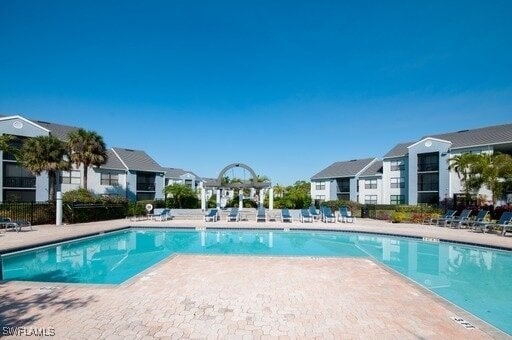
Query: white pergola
[[252, 183]]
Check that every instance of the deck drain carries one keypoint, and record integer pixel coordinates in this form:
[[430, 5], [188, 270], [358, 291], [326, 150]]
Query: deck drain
[[463, 322]]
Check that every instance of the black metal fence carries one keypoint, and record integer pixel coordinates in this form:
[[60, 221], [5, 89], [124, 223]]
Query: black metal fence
[[44, 212], [89, 212], [34, 212]]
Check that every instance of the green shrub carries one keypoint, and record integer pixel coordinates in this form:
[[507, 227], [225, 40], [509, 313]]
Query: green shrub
[[78, 195], [398, 217]]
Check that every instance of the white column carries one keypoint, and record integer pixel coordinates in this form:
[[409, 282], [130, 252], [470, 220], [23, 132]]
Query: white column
[[203, 199], [58, 217], [262, 197], [218, 198], [271, 198], [240, 199]]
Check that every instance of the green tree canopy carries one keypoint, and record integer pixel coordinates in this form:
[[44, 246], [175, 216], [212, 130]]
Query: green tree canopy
[[492, 171], [182, 195], [45, 153], [87, 148]]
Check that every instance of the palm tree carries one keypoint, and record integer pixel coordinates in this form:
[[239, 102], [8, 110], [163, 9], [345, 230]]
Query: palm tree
[[492, 171], [279, 190], [45, 153], [87, 148], [462, 164], [5, 142]]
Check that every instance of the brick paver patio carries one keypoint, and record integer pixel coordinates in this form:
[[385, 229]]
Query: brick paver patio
[[219, 296]]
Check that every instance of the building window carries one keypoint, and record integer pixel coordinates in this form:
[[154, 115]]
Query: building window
[[343, 184], [397, 182], [320, 185], [145, 196], [109, 179], [344, 197], [71, 177], [19, 195], [146, 181], [188, 183], [428, 182], [397, 165], [397, 199], [370, 199], [428, 197], [370, 184], [16, 176], [320, 197], [428, 162]]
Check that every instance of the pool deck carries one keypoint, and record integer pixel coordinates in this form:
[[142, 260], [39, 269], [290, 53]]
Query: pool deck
[[189, 296]]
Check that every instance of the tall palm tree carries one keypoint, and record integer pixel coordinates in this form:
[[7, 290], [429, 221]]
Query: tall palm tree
[[87, 148], [45, 153]]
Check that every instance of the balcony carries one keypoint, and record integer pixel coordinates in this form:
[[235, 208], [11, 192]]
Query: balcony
[[145, 186], [19, 182]]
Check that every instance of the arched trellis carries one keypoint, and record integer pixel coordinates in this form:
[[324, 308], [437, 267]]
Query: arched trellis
[[251, 183]]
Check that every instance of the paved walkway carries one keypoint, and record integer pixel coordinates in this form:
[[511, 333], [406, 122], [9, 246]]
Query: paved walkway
[[253, 297]]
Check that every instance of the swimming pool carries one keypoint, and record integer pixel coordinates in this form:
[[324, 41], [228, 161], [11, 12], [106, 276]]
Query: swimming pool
[[474, 278]]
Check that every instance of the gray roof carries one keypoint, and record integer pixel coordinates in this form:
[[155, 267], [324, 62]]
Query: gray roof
[[58, 130], [137, 160], [113, 162], [490, 135], [177, 173], [375, 169], [399, 150], [343, 169], [498, 134]]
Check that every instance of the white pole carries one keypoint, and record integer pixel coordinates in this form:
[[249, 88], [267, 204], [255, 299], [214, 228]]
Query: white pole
[[271, 198], [58, 217], [240, 199], [262, 197], [203, 199], [218, 198]]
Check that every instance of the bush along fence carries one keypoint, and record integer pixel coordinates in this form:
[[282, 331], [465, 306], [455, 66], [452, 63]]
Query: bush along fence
[[34, 212], [90, 212], [400, 213], [44, 212]]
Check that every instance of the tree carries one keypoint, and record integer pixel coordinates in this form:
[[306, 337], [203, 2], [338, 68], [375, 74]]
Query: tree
[[296, 196], [462, 164], [182, 195], [5, 142], [87, 148], [493, 171], [279, 190], [45, 153]]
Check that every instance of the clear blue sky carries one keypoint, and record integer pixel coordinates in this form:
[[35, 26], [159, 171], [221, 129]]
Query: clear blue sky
[[287, 87]]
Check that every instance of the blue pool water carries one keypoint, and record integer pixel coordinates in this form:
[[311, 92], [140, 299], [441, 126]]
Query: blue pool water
[[478, 280]]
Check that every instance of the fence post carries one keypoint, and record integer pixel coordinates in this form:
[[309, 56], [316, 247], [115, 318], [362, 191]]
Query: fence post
[[58, 214], [73, 212], [32, 212]]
